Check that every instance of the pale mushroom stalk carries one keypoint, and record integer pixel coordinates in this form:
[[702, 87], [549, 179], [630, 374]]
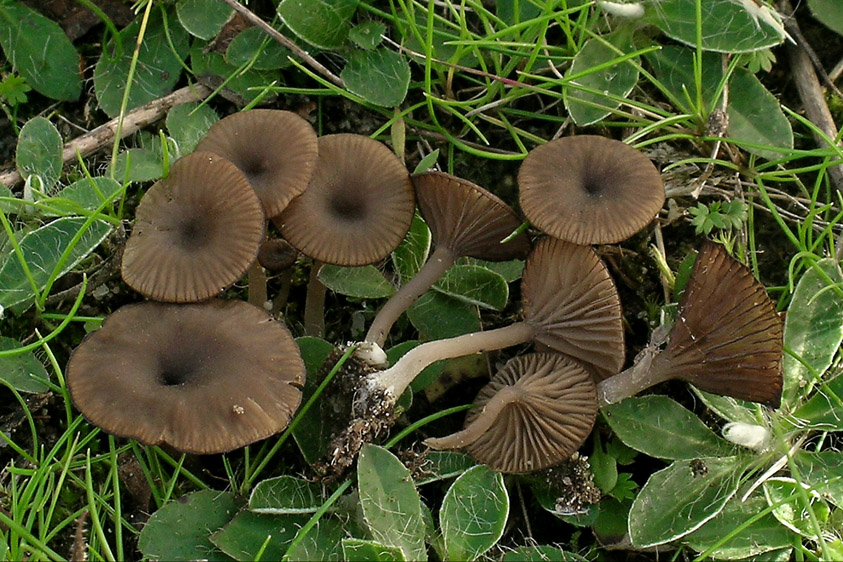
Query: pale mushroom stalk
[[257, 285], [440, 260], [481, 424], [397, 378], [631, 381]]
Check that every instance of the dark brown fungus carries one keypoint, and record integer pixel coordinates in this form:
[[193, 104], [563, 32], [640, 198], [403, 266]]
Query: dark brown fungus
[[589, 189], [534, 413], [276, 254], [195, 233], [276, 150], [201, 378], [727, 337], [358, 206], [464, 220]]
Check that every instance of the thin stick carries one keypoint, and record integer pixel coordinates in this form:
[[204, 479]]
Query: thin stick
[[133, 121]]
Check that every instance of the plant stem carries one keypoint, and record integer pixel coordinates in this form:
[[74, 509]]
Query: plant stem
[[314, 306], [440, 260]]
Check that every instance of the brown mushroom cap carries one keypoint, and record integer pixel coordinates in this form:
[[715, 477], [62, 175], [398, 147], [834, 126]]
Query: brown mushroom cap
[[276, 254], [276, 150], [547, 408], [196, 232], [589, 189], [571, 300], [727, 338], [202, 378], [358, 206], [468, 219]]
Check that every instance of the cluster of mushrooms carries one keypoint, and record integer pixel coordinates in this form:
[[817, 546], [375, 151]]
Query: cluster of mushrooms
[[206, 375]]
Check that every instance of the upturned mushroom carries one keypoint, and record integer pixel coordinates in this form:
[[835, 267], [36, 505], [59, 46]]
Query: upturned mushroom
[[589, 189], [464, 220], [276, 150], [201, 378], [571, 305], [534, 413], [727, 338], [195, 233]]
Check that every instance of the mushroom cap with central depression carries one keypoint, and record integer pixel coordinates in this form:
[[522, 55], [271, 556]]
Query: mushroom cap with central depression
[[275, 149], [358, 206], [589, 189], [196, 232], [201, 378]]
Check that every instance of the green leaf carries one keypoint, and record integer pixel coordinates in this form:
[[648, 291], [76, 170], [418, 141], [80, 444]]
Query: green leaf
[[158, 67], [727, 26], [13, 90], [612, 521], [412, 253], [755, 116], [824, 472], [380, 77], [660, 427], [313, 432], [729, 408], [253, 44], [438, 316], [40, 51], [137, 164], [20, 370], [603, 466], [42, 250], [242, 85], [442, 465], [181, 529], [680, 498], [510, 270], [829, 12], [322, 542], [474, 285], [763, 535], [365, 282], [187, 124], [390, 502], [541, 553], [286, 494], [39, 152], [244, 537], [788, 509], [203, 18], [323, 23], [87, 193], [595, 58], [370, 551], [824, 410], [427, 163], [813, 328], [367, 35], [506, 10], [474, 513]]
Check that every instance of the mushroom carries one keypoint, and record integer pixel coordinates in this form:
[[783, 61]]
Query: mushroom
[[358, 206], [276, 150], [464, 220], [357, 209], [201, 378], [589, 189], [570, 305], [196, 232], [534, 413], [727, 338]]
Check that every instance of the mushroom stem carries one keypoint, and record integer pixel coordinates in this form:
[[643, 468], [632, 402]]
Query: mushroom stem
[[481, 423], [314, 306], [257, 285], [398, 377], [630, 382], [440, 260]]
